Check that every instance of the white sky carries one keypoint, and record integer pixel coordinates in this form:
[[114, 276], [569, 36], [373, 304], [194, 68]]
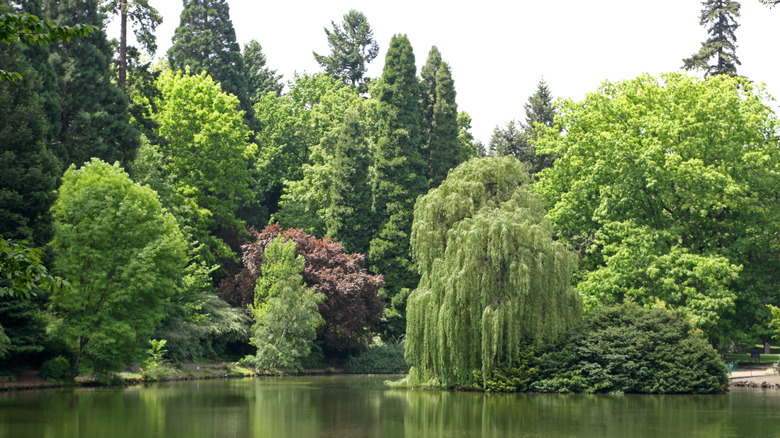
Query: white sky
[[498, 49]]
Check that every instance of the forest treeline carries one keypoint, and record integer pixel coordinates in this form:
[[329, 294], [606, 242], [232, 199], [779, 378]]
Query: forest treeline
[[204, 201]]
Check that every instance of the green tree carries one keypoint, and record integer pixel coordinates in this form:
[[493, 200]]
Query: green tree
[[259, 77], [28, 169], [205, 41], [94, 120], [720, 18], [285, 312], [667, 187], [122, 252], [208, 152], [445, 149], [145, 19], [428, 86], [492, 277], [352, 46], [399, 169], [349, 213]]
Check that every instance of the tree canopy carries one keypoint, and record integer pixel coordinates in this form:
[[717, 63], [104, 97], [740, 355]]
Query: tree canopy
[[352, 46], [492, 277], [720, 17], [667, 187]]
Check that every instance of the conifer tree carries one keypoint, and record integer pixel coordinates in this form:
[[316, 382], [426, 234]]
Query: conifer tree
[[428, 87], [146, 19], [206, 41], [349, 218], [28, 169], [352, 46], [259, 77], [399, 170], [492, 277], [444, 147], [94, 120], [720, 18]]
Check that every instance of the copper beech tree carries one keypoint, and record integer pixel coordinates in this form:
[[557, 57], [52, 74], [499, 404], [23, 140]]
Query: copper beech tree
[[353, 305]]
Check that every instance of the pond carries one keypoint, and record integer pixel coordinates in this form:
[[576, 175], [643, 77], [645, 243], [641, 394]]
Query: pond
[[362, 406]]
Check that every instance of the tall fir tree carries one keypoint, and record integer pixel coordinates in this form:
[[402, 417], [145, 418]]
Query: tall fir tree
[[428, 87], [259, 77], [720, 18], [399, 169], [349, 213], [445, 150], [145, 19], [352, 46], [94, 120], [206, 41], [28, 169]]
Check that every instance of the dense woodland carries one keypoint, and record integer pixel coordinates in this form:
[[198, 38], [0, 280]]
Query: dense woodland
[[206, 201]]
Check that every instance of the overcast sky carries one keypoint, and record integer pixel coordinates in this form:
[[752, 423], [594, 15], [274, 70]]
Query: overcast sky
[[499, 50]]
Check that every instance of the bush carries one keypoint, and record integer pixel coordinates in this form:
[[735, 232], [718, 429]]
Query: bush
[[56, 370], [379, 359], [160, 372], [505, 378], [635, 350]]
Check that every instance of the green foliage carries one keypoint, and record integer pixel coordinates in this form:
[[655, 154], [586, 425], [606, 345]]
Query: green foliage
[[207, 153], [93, 119], [205, 42], [285, 312], [492, 278], [28, 169], [662, 185], [720, 17], [352, 46], [24, 326], [156, 353], [630, 349], [57, 369], [260, 79], [154, 369], [23, 272], [379, 359], [509, 379], [399, 169], [123, 254], [444, 146]]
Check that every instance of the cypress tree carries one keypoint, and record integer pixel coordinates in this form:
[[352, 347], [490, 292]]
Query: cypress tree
[[492, 277], [720, 18], [445, 150], [28, 169], [206, 41], [428, 87], [399, 170], [94, 117], [349, 218]]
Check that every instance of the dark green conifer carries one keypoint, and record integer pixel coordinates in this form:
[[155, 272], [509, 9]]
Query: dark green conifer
[[349, 218], [720, 18], [428, 87], [94, 118], [352, 46], [206, 41], [399, 167], [444, 147], [259, 77]]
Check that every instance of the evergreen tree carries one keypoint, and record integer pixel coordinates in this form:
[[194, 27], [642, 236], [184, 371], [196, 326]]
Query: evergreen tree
[[444, 147], [260, 79], [399, 170], [352, 46], [94, 120], [349, 214], [28, 169], [720, 17], [206, 41], [428, 88]]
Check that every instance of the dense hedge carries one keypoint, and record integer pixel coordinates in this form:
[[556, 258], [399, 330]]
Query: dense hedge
[[631, 349], [379, 359]]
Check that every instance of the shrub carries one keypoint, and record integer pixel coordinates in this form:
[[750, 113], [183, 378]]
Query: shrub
[[56, 369], [504, 378], [630, 349], [379, 359]]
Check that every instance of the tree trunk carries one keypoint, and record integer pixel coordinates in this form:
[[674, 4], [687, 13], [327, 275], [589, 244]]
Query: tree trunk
[[123, 44], [767, 348]]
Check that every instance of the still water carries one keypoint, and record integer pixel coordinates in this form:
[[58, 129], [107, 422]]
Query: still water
[[361, 406]]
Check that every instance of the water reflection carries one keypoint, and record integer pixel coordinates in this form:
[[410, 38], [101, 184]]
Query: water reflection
[[360, 406]]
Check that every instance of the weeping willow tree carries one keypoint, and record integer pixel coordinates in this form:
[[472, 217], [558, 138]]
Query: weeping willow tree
[[492, 278]]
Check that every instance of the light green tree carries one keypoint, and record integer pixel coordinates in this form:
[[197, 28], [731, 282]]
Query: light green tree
[[123, 254], [492, 277], [668, 189], [208, 152], [285, 312]]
